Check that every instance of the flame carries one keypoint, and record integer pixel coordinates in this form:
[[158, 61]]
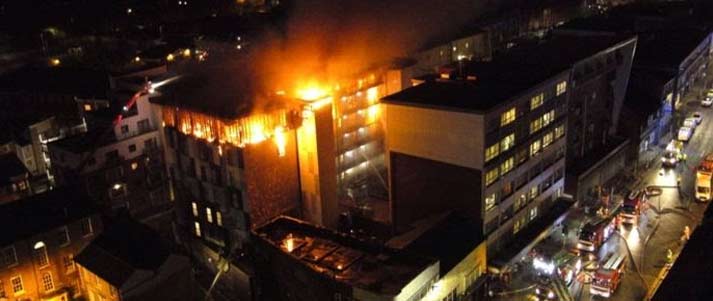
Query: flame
[[280, 140], [311, 91]]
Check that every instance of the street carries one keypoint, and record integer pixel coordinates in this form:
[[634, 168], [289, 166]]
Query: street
[[645, 244]]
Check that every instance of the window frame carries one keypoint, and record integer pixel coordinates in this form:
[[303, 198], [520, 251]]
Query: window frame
[[508, 116], [47, 282], [494, 173], [64, 230], [21, 285], [503, 142], [561, 87], [537, 101], [492, 152], [14, 256]]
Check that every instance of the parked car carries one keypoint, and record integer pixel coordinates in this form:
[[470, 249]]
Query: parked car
[[707, 102], [690, 122], [685, 133], [697, 116]]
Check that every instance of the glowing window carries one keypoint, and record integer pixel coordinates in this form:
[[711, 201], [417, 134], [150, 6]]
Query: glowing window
[[507, 142], [535, 125], [559, 131], [533, 213], [197, 228], [507, 165], [491, 176], [547, 139], [219, 218], [537, 101], [195, 208], [209, 215], [548, 117], [41, 255], [492, 152], [534, 191], [516, 227], [561, 88], [490, 202], [17, 286], [535, 147], [507, 117], [134, 166]]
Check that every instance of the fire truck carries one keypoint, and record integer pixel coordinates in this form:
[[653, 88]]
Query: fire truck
[[595, 233], [632, 207], [608, 276], [704, 177]]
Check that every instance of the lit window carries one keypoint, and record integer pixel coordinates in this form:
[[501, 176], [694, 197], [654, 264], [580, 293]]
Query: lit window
[[68, 262], [63, 237], [87, 228], [491, 152], [533, 213], [535, 125], [134, 166], [9, 257], [548, 118], [561, 88], [41, 255], [534, 191], [507, 142], [507, 117], [87, 107], [17, 286], [516, 227], [546, 139], [195, 208], [491, 176], [47, 283], [489, 202], [537, 101], [535, 147], [197, 228], [506, 166], [219, 218], [519, 202], [209, 215], [559, 131]]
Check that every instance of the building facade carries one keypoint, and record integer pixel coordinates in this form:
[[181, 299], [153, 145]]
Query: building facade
[[38, 258]]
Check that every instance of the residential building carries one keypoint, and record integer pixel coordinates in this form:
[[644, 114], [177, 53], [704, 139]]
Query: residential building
[[129, 261], [14, 179], [48, 231], [487, 139], [119, 161]]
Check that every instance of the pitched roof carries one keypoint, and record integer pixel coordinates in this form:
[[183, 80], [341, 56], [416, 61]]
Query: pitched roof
[[47, 211], [123, 248]]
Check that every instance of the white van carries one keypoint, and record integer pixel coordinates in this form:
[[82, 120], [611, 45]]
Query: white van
[[685, 133]]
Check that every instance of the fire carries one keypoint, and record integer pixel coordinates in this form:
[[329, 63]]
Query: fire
[[311, 92], [280, 140]]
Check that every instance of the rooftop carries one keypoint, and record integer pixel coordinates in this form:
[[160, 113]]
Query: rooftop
[[679, 44], [124, 247], [47, 211], [506, 76], [354, 262], [10, 167]]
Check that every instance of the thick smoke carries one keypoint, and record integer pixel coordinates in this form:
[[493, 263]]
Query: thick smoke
[[329, 40]]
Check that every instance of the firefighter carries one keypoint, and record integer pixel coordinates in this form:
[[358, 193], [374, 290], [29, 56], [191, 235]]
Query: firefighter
[[686, 233], [669, 256]]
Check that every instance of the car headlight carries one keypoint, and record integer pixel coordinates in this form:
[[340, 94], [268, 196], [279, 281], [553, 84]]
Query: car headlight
[[537, 291], [551, 295]]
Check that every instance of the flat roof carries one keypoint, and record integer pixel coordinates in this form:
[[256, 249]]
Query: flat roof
[[506, 76], [358, 263], [46, 211]]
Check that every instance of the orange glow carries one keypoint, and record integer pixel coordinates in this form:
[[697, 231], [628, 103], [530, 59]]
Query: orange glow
[[311, 91], [372, 114], [253, 129], [372, 94], [280, 140]]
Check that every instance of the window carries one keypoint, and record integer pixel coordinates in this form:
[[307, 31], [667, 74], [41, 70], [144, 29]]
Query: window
[[561, 88], [559, 131], [87, 227], [534, 191], [546, 139], [197, 228], [489, 202], [521, 156], [112, 155], [47, 283], [507, 142], [9, 257], [194, 206], [143, 125], [17, 286], [41, 254], [535, 125], [68, 262], [219, 218], [535, 147], [506, 166], [548, 118], [491, 176], [520, 202], [491, 152], [132, 148], [134, 165], [516, 226], [533, 213], [209, 215], [537, 101], [124, 129], [507, 117], [63, 237]]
